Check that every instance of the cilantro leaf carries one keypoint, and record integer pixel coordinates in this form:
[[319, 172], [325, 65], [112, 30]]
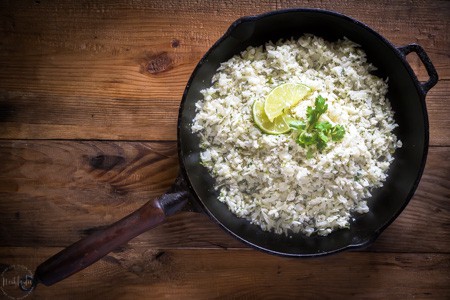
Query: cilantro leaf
[[313, 114], [323, 126], [337, 133], [315, 135], [306, 139], [296, 124]]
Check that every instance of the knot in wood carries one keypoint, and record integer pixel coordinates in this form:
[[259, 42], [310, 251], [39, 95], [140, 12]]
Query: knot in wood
[[158, 63], [105, 162], [175, 43]]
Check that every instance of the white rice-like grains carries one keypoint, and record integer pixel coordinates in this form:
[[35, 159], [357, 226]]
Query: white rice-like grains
[[267, 179]]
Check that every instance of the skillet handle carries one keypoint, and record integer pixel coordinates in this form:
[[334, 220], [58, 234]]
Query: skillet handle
[[93, 247], [431, 70]]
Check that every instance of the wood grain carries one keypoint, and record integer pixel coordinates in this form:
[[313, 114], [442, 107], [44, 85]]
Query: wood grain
[[142, 273], [89, 96], [85, 177], [55, 192], [85, 77], [125, 119]]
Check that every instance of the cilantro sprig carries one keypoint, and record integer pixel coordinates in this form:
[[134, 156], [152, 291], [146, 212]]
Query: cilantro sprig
[[314, 134]]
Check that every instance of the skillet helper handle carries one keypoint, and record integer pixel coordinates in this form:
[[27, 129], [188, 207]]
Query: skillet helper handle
[[95, 246], [431, 70]]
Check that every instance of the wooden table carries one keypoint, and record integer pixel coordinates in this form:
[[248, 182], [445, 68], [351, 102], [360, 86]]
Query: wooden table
[[89, 95]]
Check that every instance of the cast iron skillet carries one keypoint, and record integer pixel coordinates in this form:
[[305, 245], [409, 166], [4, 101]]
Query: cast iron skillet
[[407, 96]]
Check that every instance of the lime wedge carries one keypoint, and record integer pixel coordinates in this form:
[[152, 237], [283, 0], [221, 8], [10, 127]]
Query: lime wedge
[[284, 96], [278, 126]]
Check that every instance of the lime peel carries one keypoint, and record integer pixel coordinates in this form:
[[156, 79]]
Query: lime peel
[[278, 126]]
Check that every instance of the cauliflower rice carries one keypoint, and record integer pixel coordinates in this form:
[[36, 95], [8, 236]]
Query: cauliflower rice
[[267, 179]]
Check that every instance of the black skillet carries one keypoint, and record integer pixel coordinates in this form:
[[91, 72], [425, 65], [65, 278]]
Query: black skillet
[[407, 96]]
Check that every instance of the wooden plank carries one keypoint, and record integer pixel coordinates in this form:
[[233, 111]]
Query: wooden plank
[[92, 28], [204, 274], [92, 73], [123, 119], [438, 114], [85, 177], [55, 192], [48, 117]]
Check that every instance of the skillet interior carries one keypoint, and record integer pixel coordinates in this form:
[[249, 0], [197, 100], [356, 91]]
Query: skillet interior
[[406, 99]]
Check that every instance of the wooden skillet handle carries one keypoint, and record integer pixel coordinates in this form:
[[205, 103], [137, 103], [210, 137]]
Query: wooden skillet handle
[[88, 250]]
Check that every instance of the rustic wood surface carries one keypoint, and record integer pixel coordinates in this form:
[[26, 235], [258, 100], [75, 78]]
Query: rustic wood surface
[[89, 95]]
